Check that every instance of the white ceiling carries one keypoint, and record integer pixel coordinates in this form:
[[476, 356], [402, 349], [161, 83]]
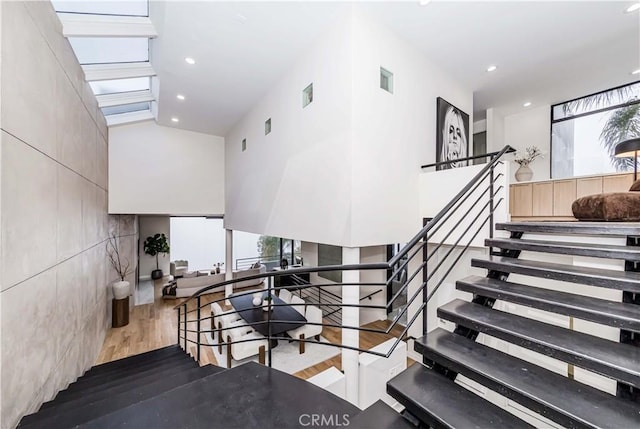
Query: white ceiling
[[546, 52]]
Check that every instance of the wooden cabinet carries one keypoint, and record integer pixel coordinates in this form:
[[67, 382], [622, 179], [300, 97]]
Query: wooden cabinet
[[564, 194], [588, 186], [552, 199], [521, 200], [617, 183], [542, 199]]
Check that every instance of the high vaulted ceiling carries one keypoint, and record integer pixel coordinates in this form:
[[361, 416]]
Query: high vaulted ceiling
[[546, 52]]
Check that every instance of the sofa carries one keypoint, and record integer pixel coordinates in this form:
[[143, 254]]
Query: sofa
[[187, 286], [178, 268]]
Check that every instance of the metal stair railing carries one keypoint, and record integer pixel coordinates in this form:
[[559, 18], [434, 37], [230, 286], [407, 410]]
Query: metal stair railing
[[417, 247]]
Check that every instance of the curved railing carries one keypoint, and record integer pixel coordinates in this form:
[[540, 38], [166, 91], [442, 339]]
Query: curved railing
[[414, 257]]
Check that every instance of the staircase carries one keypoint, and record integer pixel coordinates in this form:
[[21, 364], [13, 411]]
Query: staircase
[[165, 388], [431, 393]]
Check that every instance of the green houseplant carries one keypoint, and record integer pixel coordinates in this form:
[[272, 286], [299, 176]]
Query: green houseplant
[[153, 246]]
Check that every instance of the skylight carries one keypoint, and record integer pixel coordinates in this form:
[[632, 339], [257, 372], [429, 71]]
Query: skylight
[[126, 108], [120, 85], [101, 50], [125, 8]]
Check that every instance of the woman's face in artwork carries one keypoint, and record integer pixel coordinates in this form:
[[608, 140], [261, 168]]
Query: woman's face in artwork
[[453, 132]]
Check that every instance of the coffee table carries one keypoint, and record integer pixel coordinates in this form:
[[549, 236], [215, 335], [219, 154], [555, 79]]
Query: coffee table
[[283, 317]]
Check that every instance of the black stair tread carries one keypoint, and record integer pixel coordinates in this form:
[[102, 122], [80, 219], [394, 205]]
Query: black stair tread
[[130, 380], [379, 416], [617, 314], [125, 385], [621, 280], [83, 410], [608, 358], [133, 368], [586, 228], [247, 396], [568, 403], [161, 353], [628, 253], [130, 372], [441, 403]]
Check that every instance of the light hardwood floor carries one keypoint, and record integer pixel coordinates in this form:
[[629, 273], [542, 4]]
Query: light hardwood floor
[[153, 326]]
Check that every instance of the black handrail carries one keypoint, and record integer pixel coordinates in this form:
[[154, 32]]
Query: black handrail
[[423, 233], [408, 252], [371, 294], [468, 158]]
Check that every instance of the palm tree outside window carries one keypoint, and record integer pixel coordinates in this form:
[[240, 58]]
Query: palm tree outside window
[[585, 132]]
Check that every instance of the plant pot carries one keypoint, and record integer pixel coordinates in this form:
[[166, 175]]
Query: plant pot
[[156, 274], [524, 173], [121, 289]]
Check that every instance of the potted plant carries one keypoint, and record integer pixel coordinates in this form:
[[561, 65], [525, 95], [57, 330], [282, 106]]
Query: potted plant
[[153, 246], [121, 288], [524, 159]]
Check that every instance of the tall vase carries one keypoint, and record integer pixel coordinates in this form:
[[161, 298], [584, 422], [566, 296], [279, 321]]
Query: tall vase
[[121, 290], [524, 173]]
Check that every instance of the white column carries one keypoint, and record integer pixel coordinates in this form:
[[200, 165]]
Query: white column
[[351, 317], [228, 261], [416, 329]]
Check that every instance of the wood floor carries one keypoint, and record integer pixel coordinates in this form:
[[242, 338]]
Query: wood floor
[[153, 326]]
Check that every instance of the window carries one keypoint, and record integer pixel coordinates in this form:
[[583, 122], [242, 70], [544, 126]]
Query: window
[[330, 255], [267, 126], [585, 132], [386, 80], [244, 144], [307, 95]]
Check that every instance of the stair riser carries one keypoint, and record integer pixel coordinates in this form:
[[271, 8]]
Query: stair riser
[[514, 395], [580, 361], [605, 319], [562, 250], [561, 276]]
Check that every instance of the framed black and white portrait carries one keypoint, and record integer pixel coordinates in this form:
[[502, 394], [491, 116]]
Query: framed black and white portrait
[[452, 135]]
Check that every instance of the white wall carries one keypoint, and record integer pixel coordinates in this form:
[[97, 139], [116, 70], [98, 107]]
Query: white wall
[[163, 170], [530, 128], [495, 130], [344, 170], [368, 255], [295, 182], [149, 226], [372, 255], [393, 134]]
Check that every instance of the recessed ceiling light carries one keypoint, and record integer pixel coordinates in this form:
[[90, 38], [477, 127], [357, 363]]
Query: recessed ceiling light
[[526, 104], [492, 68], [180, 97], [175, 120], [190, 60], [424, 2], [636, 71], [633, 7]]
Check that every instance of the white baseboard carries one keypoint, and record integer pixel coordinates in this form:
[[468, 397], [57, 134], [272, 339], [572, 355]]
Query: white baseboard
[[144, 278]]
